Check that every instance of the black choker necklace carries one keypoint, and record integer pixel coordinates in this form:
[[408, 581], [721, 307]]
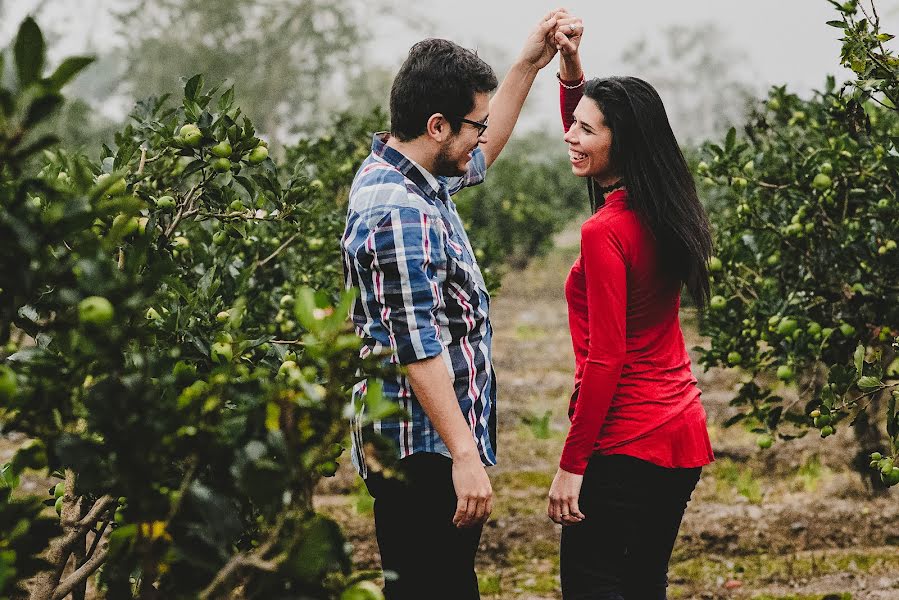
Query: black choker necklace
[[598, 192], [606, 189]]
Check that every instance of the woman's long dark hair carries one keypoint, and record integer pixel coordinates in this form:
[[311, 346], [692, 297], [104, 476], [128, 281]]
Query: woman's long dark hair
[[660, 187]]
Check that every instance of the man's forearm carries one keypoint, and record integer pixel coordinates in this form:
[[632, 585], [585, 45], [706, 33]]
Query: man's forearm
[[434, 389], [505, 107]]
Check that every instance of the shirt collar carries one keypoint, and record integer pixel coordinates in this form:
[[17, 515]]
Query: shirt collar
[[410, 169]]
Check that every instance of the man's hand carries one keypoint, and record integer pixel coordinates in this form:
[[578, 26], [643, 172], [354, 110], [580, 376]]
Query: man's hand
[[563, 498], [473, 490], [540, 48]]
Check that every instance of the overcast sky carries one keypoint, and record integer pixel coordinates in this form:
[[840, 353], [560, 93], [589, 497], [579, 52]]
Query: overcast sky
[[778, 41]]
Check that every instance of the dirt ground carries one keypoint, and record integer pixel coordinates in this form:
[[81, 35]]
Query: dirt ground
[[790, 523]]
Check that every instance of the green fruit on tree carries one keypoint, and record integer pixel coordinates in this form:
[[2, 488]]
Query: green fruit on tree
[[327, 469], [221, 165], [181, 242], [59, 490], [822, 420], [891, 478], [826, 168], [785, 373], [734, 358], [95, 310], [223, 316], [774, 104], [165, 202], [116, 188], [876, 456], [787, 326], [221, 352], [364, 590], [153, 314], [58, 506], [826, 431], [119, 517], [8, 385], [749, 168], [773, 260], [815, 414], [847, 330], [222, 149], [715, 264], [813, 328], [764, 441], [258, 155], [286, 301], [219, 238], [822, 182], [717, 303], [739, 183], [315, 243], [191, 135], [237, 206]]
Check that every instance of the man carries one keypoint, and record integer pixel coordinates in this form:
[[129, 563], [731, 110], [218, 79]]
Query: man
[[423, 302]]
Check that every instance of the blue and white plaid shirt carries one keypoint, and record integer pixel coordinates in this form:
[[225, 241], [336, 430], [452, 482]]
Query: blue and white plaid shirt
[[421, 295]]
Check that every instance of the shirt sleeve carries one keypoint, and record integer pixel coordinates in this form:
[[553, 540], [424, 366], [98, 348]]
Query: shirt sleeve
[[568, 100], [477, 172], [605, 273], [406, 248]]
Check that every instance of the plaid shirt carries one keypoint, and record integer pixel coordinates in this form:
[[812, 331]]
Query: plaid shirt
[[421, 295]]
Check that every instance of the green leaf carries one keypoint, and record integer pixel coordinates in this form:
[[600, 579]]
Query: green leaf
[[29, 52], [837, 24], [859, 359], [731, 139], [869, 383], [36, 146], [67, 70], [193, 85], [42, 108], [892, 415], [226, 99]]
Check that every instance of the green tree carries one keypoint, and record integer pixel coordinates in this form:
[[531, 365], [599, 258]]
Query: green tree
[[805, 277], [161, 357]]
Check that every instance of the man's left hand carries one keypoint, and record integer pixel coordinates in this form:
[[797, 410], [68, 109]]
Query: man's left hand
[[540, 47]]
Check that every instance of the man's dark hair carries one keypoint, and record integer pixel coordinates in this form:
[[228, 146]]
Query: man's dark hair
[[438, 76], [660, 187]]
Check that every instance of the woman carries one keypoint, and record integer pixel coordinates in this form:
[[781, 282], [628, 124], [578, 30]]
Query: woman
[[638, 436]]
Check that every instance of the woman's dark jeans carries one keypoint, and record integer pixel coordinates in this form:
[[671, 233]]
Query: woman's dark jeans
[[633, 511]]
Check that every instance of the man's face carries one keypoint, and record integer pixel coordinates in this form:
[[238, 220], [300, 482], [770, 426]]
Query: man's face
[[455, 152]]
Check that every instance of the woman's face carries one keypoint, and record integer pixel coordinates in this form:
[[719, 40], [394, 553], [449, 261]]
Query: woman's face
[[589, 143]]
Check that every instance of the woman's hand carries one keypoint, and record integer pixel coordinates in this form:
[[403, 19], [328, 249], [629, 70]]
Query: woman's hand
[[563, 498], [566, 37]]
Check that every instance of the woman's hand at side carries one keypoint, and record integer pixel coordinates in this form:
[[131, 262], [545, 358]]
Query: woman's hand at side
[[563, 498]]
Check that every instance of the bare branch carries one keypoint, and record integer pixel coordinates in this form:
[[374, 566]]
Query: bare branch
[[80, 575], [280, 248]]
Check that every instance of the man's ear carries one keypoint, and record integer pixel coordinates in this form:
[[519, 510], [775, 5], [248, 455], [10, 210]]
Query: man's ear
[[438, 127]]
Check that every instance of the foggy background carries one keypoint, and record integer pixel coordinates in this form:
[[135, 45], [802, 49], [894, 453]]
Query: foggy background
[[296, 63]]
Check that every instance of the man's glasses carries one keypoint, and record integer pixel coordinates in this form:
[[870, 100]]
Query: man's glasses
[[481, 125]]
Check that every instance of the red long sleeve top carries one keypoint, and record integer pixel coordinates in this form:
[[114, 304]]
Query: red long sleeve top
[[636, 394]]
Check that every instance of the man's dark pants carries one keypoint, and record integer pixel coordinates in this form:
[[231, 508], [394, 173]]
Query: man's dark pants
[[633, 511], [431, 557]]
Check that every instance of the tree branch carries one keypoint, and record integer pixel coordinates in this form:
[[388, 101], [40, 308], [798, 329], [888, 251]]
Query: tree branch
[[80, 575]]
